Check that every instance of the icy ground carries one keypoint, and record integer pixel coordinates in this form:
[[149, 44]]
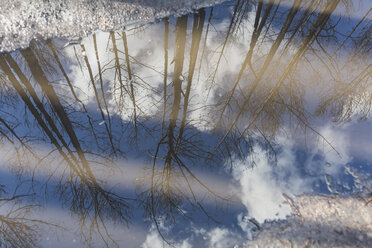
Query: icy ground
[[321, 221], [324, 221], [24, 20]]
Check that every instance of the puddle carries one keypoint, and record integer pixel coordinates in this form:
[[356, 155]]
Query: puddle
[[192, 130]]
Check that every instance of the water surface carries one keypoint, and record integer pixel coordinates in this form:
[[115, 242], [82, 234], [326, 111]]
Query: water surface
[[190, 131]]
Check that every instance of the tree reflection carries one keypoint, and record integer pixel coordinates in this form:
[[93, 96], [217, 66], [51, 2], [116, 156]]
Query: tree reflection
[[287, 47], [17, 228], [79, 187]]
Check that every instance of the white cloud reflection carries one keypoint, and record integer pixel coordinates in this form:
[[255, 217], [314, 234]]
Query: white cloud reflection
[[260, 188]]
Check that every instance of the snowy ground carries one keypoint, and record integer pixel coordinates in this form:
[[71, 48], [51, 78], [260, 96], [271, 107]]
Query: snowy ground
[[24, 20], [321, 221], [340, 220]]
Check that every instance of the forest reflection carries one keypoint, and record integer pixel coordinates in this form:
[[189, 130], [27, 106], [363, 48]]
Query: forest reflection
[[183, 94]]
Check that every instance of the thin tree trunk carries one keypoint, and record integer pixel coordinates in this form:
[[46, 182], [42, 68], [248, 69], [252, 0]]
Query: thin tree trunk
[[101, 81], [196, 37], [17, 137], [41, 79], [181, 28], [352, 31], [233, 19], [13, 64], [293, 11], [132, 95], [271, 21], [304, 19], [309, 39], [17, 86], [165, 79], [118, 70], [51, 46], [205, 43], [97, 97], [258, 29]]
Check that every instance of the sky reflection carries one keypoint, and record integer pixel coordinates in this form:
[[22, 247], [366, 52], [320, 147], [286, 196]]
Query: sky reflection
[[192, 130]]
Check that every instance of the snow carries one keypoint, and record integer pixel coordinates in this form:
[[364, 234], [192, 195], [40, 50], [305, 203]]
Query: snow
[[24, 20], [321, 221]]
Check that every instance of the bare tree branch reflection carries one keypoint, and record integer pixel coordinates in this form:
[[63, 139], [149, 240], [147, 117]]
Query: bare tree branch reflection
[[129, 97]]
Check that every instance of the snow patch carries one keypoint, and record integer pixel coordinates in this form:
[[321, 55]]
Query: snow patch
[[24, 20]]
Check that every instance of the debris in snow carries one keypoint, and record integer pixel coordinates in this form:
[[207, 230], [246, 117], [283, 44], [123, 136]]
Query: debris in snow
[[328, 182], [362, 181], [72, 43]]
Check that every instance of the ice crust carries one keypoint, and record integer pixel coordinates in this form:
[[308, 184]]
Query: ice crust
[[24, 20], [324, 220], [321, 221]]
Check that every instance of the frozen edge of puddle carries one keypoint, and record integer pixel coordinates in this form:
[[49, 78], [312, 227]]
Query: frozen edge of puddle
[[24, 20], [323, 221]]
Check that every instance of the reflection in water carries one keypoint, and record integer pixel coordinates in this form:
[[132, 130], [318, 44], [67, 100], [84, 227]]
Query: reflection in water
[[207, 94], [17, 229]]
